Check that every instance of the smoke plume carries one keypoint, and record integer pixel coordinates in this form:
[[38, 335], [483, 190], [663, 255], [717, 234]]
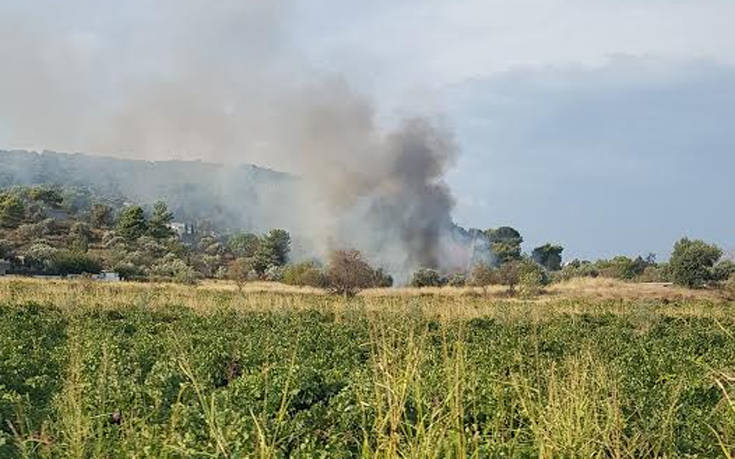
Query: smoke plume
[[222, 83]]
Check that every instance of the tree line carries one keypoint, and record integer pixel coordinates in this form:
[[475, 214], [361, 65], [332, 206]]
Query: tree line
[[68, 230]]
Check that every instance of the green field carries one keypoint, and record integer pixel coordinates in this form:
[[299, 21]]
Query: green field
[[90, 370]]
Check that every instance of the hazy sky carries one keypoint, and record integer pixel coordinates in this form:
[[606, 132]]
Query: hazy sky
[[604, 125]]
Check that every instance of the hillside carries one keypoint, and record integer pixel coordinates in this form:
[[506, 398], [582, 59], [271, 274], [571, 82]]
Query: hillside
[[227, 196]]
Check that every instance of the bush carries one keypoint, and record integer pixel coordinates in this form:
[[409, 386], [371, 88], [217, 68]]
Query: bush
[[723, 270], [66, 262], [692, 261], [239, 271], [382, 279], [347, 273], [175, 269], [306, 274], [127, 270], [655, 274], [457, 280], [730, 285], [273, 274], [482, 275], [531, 283], [532, 278], [426, 277]]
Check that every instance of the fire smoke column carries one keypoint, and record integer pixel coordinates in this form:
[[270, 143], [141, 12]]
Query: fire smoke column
[[413, 198]]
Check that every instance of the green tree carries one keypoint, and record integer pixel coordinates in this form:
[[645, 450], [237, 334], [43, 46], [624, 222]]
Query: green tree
[[79, 237], [132, 223], [49, 196], [272, 251], [74, 262], [161, 218], [548, 256], [243, 244], [426, 277], [505, 242], [723, 270], [100, 216], [692, 261], [12, 211]]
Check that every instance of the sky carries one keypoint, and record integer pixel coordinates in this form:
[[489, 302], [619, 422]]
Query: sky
[[602, 125]]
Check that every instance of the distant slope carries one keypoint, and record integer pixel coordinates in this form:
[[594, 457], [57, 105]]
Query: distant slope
[[230, 197]]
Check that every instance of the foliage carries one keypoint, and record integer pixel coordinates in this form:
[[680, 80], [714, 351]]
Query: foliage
[[161, 218], [348, 273], [243, 244], [692, 261], [427, 277], [723, 270], [111, 375], [457, 280], [505, 242], [482, 275], [306, 273], [173, 268], [12, 210], [531, 280], [548, 256], [66, 262], [239, 271], [272, 250], [100, 216], [132, 223], [49, 196], [730, 285]]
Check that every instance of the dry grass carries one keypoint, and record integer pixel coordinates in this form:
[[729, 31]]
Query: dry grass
[[583, 296]]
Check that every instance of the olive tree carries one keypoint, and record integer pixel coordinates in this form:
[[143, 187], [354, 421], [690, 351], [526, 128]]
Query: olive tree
[[692, 261]]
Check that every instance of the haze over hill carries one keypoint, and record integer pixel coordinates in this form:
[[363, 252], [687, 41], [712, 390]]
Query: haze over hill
[[244, 197]]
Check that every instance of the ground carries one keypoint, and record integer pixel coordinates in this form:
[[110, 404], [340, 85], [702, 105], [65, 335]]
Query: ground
[[591, 367]]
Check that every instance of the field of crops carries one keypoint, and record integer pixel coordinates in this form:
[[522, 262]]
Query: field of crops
[[124, 370]]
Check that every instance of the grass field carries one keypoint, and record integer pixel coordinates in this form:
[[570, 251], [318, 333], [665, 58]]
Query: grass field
[[591, 368]]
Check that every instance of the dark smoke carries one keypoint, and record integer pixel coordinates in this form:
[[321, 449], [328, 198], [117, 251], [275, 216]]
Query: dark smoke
[[220, 83]]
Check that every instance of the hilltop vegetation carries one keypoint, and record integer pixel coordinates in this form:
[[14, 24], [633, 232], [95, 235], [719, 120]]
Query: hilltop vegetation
[[225, 196]]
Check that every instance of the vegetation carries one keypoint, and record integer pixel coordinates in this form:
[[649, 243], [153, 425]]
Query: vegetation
[[117, 370], [348, 273], [692, 261]]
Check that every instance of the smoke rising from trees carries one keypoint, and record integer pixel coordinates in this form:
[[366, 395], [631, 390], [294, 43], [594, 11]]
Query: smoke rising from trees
[[187, 80]]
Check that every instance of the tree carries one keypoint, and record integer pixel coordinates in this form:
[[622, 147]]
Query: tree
[[505, 242], [348, 273], [307, 273], [723, 270], [12, 211], [692, 261], [132, 224], [100, 216], [243, 244], [548, 256], [238, 271], [426, 277], [79, 237], [482, 275], [74, 262], [509, 274], [49, 196], [161, 218], [272, 250]]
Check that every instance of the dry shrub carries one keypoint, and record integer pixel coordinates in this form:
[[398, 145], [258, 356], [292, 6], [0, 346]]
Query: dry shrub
[[348, 273]]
